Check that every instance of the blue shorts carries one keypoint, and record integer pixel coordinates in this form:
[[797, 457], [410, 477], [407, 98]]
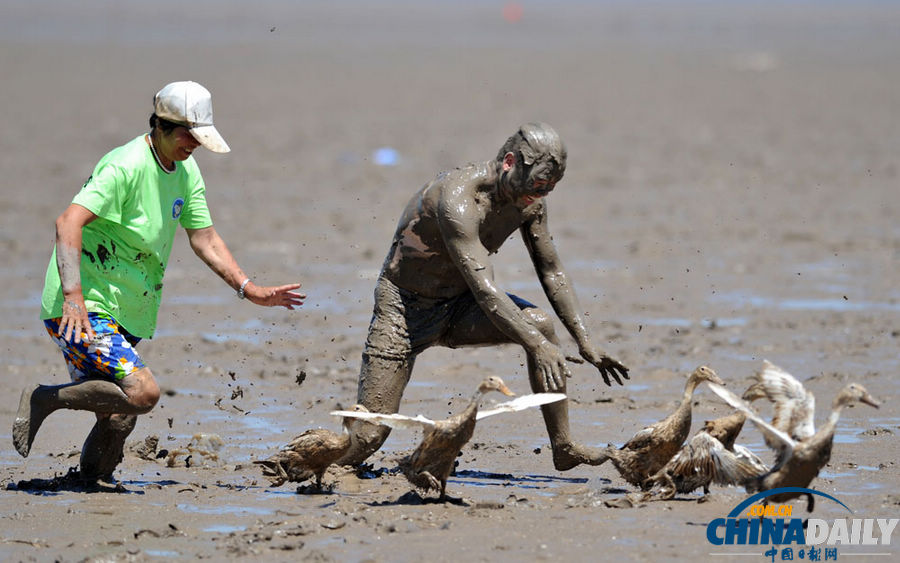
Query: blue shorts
[[110, 355]]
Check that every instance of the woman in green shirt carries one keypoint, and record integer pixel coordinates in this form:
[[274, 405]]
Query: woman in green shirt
[[104, 281]]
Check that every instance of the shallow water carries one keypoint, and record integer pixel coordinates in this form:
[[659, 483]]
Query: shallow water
[[224, 529], [838, 304], [543, 485], [220, 509], [722, 322], [162, 553], [848, 485]]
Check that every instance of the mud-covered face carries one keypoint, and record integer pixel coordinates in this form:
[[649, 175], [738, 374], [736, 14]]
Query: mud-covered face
[[532, 161], [535, 181]]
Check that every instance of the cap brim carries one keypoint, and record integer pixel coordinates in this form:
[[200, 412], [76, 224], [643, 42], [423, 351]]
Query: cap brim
[[210, 138]]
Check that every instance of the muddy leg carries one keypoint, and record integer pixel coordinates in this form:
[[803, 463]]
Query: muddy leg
[[566, 453], [473, 328], [135, 394], [103, 449], [381, 385], [33, 409]]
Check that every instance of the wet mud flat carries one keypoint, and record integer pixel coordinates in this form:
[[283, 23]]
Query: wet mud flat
[[730, 196], [505, 502]]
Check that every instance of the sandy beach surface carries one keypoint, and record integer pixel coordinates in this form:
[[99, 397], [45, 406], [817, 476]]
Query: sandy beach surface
[[731, 196]]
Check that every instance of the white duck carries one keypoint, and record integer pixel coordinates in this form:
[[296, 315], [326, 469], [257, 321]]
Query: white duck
[[801, 450]]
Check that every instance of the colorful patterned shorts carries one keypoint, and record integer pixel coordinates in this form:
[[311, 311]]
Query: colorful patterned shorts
[[110, 355]]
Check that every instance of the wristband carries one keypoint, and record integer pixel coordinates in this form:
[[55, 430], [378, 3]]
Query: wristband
[[240, 291]]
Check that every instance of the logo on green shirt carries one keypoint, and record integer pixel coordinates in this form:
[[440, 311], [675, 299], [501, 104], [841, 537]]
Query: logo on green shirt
[[176, 208]]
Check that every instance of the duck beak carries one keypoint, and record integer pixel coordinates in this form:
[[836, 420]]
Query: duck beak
[[718, 380], [870, 400], [505, 390]]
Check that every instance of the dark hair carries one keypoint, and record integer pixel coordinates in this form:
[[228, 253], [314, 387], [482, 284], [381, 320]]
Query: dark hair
[[165, 125]]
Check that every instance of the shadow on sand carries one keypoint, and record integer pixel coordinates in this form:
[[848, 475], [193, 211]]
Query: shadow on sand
[[72, 481]]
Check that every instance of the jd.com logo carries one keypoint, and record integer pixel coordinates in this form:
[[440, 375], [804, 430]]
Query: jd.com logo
[[753, 523]]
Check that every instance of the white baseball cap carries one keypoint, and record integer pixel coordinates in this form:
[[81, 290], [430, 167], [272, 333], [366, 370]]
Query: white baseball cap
[[190, 104]]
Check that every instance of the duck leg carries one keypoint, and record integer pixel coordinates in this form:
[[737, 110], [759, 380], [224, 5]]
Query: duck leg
[[667, 485], [433, 482], [273, 471], [280, 475]]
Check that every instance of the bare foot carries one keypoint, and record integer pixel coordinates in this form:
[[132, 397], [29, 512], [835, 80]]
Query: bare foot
[[28, 420], [570, 455]]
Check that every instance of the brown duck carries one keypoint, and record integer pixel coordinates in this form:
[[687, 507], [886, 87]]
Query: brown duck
[[711, 456], [429, 466], [649, 450], [801, 450], [309, 454]]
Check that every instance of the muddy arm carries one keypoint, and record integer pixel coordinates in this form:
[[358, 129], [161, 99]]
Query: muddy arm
[[68, 261], [458, 223], [561, 294]]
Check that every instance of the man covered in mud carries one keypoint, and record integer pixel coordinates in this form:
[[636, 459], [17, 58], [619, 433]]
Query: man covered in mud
[[104, 281], [436, 287]]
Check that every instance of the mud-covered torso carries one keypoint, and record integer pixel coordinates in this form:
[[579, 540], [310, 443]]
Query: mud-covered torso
[[419, 259]]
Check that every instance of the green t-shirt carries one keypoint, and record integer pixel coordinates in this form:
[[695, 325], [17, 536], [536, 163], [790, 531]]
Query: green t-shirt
[[126, 249]]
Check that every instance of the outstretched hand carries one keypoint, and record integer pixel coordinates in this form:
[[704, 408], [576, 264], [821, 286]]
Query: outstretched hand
[[551, 366], [611, 366], [276, 296], [607, 365]]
